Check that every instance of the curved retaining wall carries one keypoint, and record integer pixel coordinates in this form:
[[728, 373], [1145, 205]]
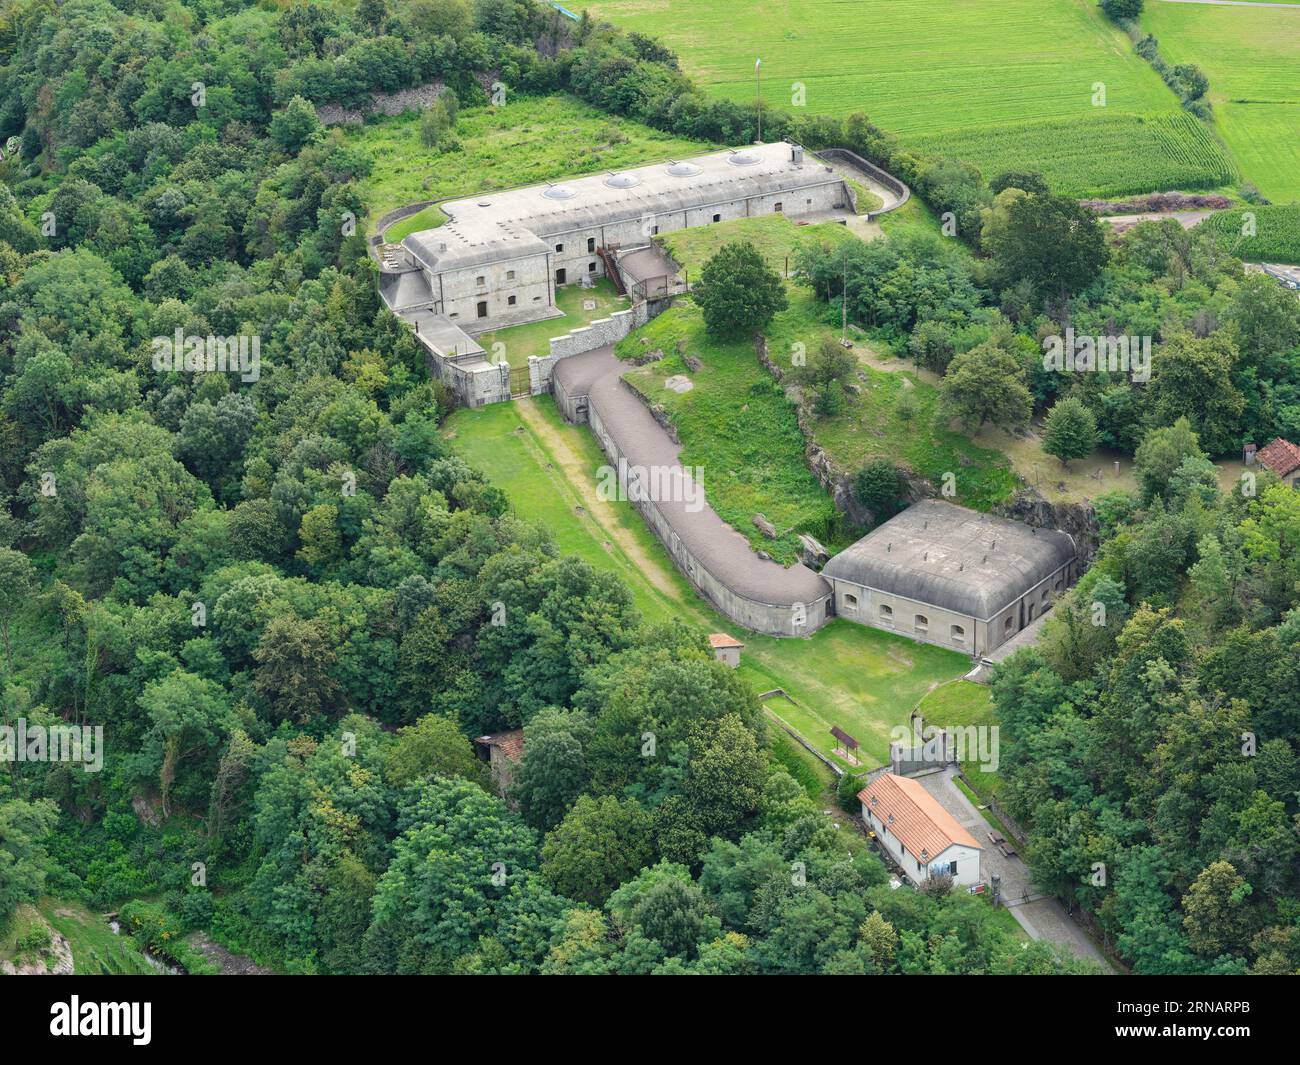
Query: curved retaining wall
[[884, 177], [755, 593]]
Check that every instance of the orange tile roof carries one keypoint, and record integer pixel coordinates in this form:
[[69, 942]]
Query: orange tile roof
[[1281, 456], [510, 742], [721, 639], [920, 823]]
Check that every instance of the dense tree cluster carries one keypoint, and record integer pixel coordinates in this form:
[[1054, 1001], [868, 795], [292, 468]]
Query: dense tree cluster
[[1150, 742], [1156, 326], [290, 607]]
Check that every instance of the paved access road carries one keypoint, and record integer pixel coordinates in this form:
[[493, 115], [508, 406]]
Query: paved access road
[[1043, 917]]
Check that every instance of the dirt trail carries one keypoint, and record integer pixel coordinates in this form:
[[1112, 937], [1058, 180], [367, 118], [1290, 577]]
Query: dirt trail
[[576, 481]]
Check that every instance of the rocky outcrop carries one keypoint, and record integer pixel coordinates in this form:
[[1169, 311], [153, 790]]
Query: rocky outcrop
[[1079, 520], [53, 959], [764, 526], [384, 103], [835, 482], [812, 553]]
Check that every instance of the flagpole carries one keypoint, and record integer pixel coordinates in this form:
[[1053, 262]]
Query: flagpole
[[758, 86]]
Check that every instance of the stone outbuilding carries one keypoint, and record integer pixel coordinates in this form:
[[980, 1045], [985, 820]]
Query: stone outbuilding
[[1283, 458], [502, 751], [726, 648]]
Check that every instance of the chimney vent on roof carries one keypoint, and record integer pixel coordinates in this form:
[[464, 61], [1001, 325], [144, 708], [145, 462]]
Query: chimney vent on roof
[[796, 154]]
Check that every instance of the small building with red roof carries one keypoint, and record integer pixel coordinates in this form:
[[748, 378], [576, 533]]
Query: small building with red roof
[[502, 751], [725, 648], [922, 837], [1283, 458]]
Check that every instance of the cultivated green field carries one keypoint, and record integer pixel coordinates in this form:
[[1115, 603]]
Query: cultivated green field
[[1252, 57], [1275, 237], [1108, 154], [923, 67], [529, 139]]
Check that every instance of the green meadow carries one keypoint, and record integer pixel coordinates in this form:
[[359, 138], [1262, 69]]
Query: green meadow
[[528, 140]]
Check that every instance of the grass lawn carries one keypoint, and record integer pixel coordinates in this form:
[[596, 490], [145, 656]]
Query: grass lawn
[[1252, 57], [957, 705], [515, 343], [1017, 76], [776, 237], [866, 199], [867, 686], [528, 140], [862, 679]]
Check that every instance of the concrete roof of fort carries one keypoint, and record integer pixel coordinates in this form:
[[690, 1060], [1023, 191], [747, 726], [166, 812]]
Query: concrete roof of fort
[[509, 224], [715, 545], [953, 558]]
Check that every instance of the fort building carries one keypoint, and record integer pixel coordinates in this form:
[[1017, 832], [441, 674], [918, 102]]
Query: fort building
[[501, 256], [943, 574]]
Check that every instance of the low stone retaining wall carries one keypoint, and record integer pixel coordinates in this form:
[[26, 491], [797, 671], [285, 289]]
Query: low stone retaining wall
[[586, 338]]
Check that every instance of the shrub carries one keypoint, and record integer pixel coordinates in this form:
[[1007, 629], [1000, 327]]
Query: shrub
[[846, 793]]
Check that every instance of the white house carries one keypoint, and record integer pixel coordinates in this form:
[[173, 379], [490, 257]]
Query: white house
[[919, 834]]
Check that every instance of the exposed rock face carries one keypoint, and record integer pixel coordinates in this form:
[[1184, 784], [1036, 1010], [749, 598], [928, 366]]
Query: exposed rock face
[[654, 355], [811, 552], [54, 960], [147, 810], [1079, 520], [416, 98], [693, 364], [764, 526]]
